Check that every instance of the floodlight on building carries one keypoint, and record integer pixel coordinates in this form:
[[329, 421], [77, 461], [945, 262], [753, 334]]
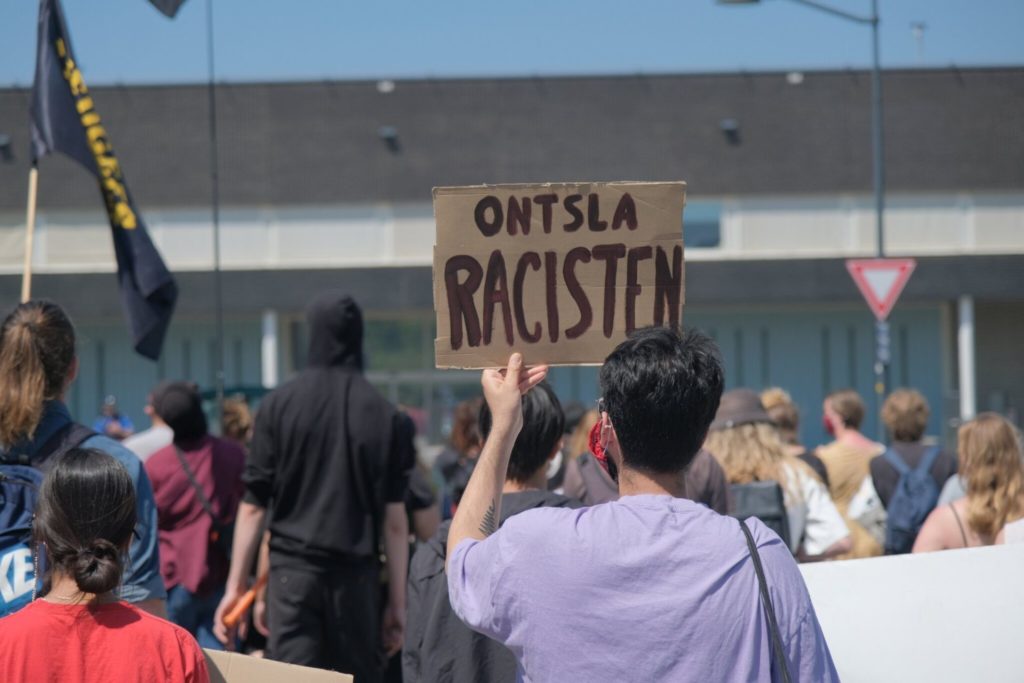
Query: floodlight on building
[[389, 134], [5, 148], [731, 130]]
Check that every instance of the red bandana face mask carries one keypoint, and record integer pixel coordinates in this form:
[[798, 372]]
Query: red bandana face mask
[[597, 448], [826, 422]]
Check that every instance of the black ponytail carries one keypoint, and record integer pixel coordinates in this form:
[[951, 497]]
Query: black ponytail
[[85, 517]]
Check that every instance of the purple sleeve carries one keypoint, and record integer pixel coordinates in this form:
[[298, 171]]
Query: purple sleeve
[[808, 654], [476, 571], [806, 649]]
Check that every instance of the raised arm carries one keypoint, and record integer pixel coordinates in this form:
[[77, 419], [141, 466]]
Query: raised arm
[[396, 547], [480, 509]]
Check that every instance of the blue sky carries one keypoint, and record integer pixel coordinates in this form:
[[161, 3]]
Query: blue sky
[[128, 41]]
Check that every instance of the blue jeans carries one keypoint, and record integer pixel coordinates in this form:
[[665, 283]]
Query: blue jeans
[[195, 614]]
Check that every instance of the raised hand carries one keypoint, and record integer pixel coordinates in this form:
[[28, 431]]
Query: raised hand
[[504, 389]]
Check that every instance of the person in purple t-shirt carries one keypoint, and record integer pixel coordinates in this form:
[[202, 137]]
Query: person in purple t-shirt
[[651, 587]]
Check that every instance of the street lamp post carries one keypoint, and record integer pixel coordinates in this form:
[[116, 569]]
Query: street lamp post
[[878, 153]]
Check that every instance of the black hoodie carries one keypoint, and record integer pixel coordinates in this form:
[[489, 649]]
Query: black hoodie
[[438, 647], [327, 454]]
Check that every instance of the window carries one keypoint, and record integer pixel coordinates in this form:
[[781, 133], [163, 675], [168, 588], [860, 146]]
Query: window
[[395, 344], [701, 225]]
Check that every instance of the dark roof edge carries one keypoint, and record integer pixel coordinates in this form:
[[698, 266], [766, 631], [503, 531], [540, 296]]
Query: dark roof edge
[[741, 73]]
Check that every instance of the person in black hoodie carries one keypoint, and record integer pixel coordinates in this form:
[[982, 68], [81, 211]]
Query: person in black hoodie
[[439, 647], [328, 466]]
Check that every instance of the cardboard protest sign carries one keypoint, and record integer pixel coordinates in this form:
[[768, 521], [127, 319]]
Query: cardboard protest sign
[[560, 272], [231, 667]]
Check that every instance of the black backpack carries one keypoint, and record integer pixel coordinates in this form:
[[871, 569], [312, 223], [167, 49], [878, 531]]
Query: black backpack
[[764, 500], [20, 476], [915, 496]]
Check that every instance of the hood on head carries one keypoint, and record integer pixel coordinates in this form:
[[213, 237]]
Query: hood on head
[[335, 331]]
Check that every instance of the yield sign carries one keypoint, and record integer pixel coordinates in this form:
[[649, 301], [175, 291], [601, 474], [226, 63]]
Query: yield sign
[[881, 281]]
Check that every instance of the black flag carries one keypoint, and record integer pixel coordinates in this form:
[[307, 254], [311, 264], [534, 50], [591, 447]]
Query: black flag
[[168, 7], [64, 119]]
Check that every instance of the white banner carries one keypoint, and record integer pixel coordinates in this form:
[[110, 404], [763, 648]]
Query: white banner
[[955, 615]]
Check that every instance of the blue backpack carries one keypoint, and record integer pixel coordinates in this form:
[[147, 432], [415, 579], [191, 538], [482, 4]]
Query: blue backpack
[[915, 496], [19, 488], [20, 477]]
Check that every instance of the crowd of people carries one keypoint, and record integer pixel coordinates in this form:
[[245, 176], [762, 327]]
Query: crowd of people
[[654, 537]]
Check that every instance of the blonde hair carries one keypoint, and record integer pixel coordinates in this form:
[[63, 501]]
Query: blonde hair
[[236, 419], [905, 414], [992, 466], [753, 452], [579, 440], [784, 413], [37, 350]]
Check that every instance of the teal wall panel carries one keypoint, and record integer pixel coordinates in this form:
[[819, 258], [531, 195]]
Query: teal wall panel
[[807, 351], [810, 353], [108, 365]]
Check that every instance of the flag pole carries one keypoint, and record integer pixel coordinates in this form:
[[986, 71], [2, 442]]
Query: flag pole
[[215, 201], [30, 231]]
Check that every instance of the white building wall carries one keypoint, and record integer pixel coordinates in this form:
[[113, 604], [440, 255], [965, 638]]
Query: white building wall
[[390, 235]]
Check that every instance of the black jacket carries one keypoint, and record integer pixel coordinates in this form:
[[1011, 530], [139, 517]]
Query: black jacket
[[328, 452], [438, 647]]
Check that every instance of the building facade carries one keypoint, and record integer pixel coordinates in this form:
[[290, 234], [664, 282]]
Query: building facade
[[327, 186]]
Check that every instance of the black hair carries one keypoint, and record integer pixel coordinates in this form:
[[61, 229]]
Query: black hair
[[543, 425], [181, 408], [661, 389], [84, 519], [574, 413]]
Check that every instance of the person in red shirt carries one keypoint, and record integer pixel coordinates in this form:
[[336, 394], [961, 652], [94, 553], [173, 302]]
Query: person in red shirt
[[78, 631], [197, 485]]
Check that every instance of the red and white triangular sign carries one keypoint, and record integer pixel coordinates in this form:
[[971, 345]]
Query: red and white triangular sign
[[881, 281]]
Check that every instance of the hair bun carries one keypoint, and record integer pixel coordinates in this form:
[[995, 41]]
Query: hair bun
[[97, 568]]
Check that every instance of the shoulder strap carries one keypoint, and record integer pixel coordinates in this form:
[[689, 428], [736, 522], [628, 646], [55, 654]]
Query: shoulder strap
[[766, 602], [956, 516], [77, 435], [60, 442], [896, 461], [930, 456], [203, 500]]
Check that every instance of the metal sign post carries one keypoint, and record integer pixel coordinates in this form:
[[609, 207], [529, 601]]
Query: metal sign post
[[881, 281], [882, 358]]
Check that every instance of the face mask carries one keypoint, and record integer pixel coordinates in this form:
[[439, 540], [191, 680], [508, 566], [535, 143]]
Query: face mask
[[597, 448], [827, 423]]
